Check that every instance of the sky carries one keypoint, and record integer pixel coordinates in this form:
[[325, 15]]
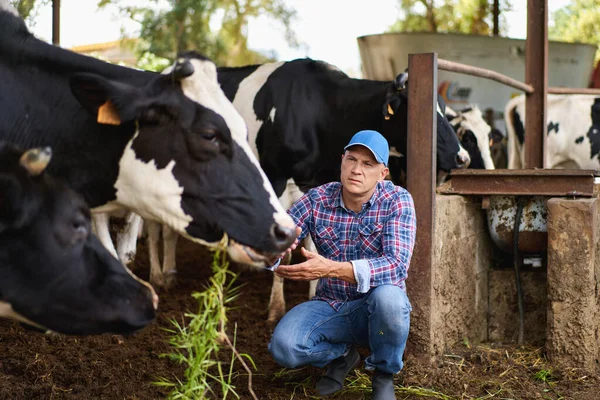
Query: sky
[[328, 28]]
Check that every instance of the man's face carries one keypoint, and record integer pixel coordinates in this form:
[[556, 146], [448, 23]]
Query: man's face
[[361, 171]]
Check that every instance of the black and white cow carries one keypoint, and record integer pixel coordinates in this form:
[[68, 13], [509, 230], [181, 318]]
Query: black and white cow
[[170, 147], [300, 115], [54, 273], [475, 135], [573, 137]]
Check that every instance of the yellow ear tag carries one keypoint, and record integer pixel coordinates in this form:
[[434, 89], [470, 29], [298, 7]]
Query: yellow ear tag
[[390, 109], [107, 114]]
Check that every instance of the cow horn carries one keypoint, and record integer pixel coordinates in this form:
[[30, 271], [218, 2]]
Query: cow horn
[[183, 69], [36, 160], [400, 81]]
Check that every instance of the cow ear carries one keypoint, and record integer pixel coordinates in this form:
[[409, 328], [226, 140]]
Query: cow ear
[[393, 101], [110, 101]]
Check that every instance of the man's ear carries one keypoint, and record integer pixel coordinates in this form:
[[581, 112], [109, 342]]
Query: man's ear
[[384, 173], [111, 102]]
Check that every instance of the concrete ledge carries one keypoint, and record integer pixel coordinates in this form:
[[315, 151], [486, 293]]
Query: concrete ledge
[[572, 320]]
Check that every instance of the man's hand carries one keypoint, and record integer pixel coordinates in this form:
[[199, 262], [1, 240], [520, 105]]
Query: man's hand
[[316, 267]]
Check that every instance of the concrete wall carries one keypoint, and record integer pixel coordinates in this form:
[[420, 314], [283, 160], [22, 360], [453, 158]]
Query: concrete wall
[[503, 308], [473, 301], [573, 283], [461, 259]]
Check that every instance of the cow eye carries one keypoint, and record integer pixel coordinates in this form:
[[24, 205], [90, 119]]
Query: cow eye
[[209, 135]]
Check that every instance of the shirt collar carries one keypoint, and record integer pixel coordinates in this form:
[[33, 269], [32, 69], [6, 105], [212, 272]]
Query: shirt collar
[[335, 200]]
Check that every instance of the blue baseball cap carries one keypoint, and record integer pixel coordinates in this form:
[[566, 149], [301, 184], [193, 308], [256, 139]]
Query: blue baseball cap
[[373, 141]]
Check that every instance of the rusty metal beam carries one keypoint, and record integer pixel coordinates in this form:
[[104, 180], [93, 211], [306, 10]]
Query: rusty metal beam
[[536, 75], [460, 68], [421, 182], [539, 182], [453, 66], [56, 22], [566, 90]]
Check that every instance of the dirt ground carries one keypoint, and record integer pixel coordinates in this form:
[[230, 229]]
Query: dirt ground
[[37, 366]]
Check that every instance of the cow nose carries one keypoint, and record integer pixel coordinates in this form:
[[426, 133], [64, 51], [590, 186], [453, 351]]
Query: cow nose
[[463, 160], [283, 236]]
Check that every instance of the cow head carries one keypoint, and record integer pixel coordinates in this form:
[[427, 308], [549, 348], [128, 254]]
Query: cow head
[[475, 135], [450, 153], [191, 160], [54, 273]]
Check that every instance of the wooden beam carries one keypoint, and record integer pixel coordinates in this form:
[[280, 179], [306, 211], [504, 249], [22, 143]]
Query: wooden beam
[[421, 183], [536, 75]]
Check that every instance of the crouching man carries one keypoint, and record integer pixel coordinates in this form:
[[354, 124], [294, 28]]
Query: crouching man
[[364, 230]]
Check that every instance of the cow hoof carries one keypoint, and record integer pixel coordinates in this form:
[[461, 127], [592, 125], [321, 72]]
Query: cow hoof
[[157, 281], [274, 317], [170, 279]]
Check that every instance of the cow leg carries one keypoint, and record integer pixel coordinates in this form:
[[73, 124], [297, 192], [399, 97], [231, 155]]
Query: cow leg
[[169, 255], [156, 274], [310, 246], [277, 301], [127, 239], [100, 224]]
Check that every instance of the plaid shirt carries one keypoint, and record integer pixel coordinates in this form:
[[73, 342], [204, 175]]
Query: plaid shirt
[[378, 240]]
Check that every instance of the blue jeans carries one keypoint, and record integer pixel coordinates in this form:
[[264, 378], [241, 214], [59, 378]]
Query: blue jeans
[[313, 333]]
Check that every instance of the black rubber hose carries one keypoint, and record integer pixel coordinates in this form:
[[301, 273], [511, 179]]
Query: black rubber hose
[[520, 205]]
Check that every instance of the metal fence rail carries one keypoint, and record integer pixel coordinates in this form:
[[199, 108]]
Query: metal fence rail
[[453, 66]]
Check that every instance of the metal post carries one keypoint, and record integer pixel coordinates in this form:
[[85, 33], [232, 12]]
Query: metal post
[[536, 74], [56, 22], [421, 183]]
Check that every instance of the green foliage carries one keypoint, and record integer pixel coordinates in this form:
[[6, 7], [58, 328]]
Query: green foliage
[[28, 9], [544, 375], [449, 16], [216, 28], [198, 338], [578, 22], [151, 62]]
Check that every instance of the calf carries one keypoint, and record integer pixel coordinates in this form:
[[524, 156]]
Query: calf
[[475, 135], [55, 274], [170, 147]]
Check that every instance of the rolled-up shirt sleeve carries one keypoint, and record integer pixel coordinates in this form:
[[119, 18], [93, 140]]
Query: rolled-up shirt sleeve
[[398, 240], [362, 274]]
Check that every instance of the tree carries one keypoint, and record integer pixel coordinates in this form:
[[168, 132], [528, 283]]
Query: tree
[[169, 27], [449, 16], [577, 22], [28, 9]]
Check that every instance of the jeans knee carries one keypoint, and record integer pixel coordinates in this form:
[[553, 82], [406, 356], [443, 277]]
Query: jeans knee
[[389, 298], [283, 352]]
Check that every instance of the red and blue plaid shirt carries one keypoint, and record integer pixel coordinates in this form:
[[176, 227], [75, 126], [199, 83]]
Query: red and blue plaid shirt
[[378, 240]]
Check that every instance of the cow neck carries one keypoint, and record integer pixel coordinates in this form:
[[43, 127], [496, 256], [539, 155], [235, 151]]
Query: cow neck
[[40, 110]]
